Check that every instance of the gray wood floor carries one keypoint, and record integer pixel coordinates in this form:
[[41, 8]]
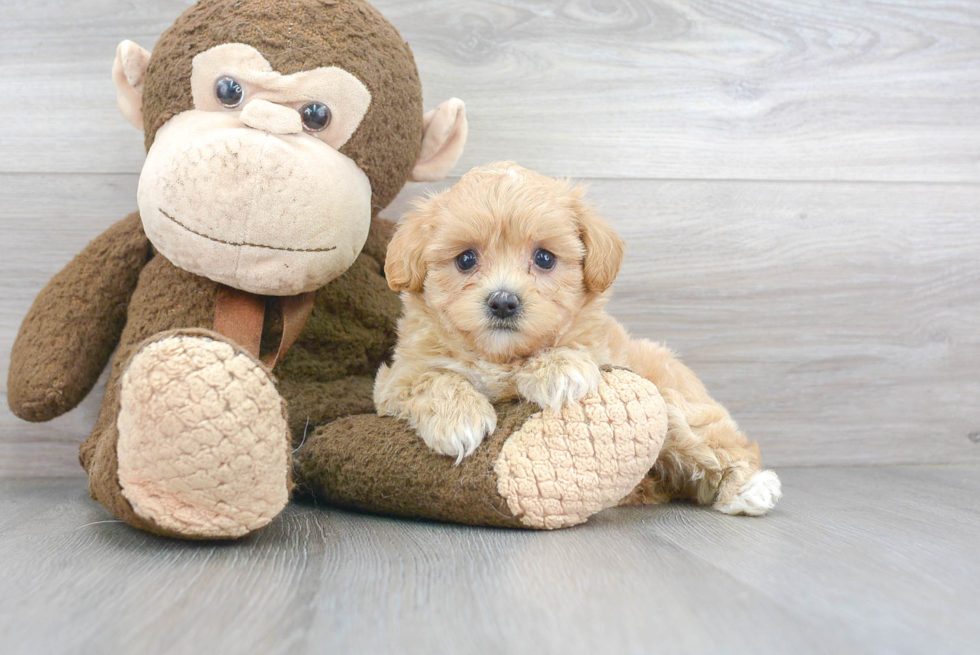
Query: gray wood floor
[[874, 560]]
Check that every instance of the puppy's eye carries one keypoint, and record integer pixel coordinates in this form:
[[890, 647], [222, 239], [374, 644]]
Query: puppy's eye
[[229, 92], [466, 260], [545, 259]]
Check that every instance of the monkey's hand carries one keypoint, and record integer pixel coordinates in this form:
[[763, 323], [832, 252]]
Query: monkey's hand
[[447, 411], [74, 324], [556, 377]]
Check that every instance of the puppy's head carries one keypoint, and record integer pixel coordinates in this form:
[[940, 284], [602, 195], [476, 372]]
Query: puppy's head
[[507, 258]]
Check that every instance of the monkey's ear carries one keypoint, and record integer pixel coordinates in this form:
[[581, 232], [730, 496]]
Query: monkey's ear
[[128, 73], [442, 142]]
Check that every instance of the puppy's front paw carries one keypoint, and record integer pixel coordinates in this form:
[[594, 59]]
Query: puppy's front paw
[[557, 377], [456, 428], [756, 497]]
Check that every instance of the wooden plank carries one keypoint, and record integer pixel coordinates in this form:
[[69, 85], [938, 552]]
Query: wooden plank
[[858, 551], [853, 560], [836, 321], [764, 89], [59, 110], [45, 221]]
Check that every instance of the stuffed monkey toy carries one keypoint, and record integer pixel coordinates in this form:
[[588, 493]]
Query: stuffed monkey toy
[[247, 306]]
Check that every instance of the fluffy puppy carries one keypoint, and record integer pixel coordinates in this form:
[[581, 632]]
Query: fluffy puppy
[[504, 279]]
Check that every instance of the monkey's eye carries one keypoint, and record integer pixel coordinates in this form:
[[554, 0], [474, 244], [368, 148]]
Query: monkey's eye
[[466, 260], [229, 92], [545, 259], [316, 116]]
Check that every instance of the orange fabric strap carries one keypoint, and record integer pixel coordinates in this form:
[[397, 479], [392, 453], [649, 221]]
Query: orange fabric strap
[[240, 315], [296, 311]]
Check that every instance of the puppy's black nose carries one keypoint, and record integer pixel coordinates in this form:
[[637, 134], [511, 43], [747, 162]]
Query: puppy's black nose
[[503, 304]]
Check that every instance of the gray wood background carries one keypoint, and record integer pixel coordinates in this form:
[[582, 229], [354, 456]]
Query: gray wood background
[[799, 183]]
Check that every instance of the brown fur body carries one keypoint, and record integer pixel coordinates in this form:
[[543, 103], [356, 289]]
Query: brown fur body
[[120, 293], [327, 373]]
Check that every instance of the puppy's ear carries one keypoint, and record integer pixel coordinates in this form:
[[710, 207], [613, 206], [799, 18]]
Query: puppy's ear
[[405, 260], [603, 246]]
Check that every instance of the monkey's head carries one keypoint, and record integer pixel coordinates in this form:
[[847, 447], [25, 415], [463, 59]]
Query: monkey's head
[[275, 130]]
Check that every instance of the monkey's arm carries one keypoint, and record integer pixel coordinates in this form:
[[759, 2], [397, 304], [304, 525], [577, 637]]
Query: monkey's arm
[[74, 324]]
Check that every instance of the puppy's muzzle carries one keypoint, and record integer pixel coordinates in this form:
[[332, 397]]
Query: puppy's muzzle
[[503, 304]]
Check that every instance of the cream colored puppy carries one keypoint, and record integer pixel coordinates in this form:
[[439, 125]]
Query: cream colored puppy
[[504, 279]]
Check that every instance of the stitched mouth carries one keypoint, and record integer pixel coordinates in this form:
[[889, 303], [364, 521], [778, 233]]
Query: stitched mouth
[[244, 243]]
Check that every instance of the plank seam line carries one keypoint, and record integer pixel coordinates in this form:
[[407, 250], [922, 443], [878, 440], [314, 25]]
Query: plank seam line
[[738, 180]]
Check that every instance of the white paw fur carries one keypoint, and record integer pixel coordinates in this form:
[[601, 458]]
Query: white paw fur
[[557, 378], [457, 429], [756, 497]]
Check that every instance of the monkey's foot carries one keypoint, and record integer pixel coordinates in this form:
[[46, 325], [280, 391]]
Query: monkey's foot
[[563, 466], [539, 469], [203, 444]]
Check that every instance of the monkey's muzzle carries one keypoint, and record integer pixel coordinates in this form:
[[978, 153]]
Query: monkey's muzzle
[[265, 213]]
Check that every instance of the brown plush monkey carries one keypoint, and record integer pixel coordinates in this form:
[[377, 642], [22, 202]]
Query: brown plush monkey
[[275, 133]]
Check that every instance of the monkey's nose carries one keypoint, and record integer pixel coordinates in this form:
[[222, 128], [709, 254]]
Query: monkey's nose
[[503, 304], [272, 118]]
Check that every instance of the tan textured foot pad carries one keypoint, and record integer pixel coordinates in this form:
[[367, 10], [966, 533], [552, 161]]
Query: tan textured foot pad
[[203, 441], [562, 467]]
